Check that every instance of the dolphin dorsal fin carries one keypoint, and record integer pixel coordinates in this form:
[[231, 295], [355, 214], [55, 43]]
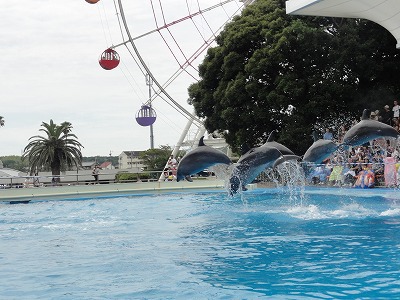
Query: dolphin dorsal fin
[[271, 136], [366, 114], [315, 136], [244, 148], [201, 141]]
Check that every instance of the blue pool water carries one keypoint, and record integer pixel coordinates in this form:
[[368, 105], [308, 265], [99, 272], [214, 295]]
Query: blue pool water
[[322, 243]]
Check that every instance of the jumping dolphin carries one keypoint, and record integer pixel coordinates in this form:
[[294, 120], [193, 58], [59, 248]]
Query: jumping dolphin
[[287, 154], [251, 164], [199, 159], [271, 142], [284, 158], [367, 130], [320, 150]]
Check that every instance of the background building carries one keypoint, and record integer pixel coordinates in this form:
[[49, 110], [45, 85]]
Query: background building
[[131, 160]]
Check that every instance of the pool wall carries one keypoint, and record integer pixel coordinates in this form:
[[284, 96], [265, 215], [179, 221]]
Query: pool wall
[[79, 191]]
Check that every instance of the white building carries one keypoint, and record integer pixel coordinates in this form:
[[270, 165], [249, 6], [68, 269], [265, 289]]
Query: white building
[[130, 160]]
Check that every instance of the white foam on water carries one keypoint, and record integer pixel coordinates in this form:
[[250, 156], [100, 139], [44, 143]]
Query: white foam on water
[[309, 212], [392, 212], [314, 212]]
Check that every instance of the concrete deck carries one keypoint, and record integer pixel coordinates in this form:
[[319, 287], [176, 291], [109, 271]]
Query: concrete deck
[[88, 191]]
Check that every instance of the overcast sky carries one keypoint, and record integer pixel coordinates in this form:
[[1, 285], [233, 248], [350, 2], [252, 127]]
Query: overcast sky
[[50, 70]]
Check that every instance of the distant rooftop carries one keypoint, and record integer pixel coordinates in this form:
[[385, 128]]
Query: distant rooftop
[[9, 173]]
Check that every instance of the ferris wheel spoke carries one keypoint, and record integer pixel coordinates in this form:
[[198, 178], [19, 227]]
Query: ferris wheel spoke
[[188, 63], [188, 17], [121, 9], [185, 64], [183, 68]]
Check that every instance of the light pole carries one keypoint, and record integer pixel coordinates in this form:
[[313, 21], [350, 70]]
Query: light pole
[[149, 83]]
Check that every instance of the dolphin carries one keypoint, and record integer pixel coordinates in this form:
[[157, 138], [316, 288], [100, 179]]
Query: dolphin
[[271, 142], [320, 150], [367, 130], [287, 154], [199, 159], [251, 164], [284, 158]]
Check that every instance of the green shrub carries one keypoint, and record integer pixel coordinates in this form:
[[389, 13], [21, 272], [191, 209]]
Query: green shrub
[[129, 177]]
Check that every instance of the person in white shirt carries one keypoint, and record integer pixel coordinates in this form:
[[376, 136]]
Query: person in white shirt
[[396, 109]]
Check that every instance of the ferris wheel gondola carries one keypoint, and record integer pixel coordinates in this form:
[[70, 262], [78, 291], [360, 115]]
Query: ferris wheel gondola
[[109, 59], [146, 116]]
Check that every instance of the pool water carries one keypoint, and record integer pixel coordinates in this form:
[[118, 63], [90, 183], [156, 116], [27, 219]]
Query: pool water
[[320, 243]]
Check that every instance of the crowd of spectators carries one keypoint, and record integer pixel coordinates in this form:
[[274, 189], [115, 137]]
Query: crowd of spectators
[[171, 168], [374, 163]]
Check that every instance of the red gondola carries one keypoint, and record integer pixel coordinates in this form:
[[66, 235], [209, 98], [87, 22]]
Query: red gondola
[[92, 1], [146, 116], [109, 59]]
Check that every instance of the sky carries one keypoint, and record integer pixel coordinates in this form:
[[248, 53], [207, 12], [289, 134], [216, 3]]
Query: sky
[[50, 70]]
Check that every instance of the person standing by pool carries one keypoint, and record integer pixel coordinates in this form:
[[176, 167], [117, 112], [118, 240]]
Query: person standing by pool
[[95, 173], [396, 109]]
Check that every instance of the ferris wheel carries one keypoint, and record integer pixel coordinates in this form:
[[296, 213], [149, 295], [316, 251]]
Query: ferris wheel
[[164, 41]]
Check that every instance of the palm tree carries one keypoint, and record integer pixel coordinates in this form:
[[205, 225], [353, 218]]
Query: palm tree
[[1, 121], [58, 150]]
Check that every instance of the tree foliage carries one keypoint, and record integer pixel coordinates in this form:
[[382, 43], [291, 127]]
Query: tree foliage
[[155, 159], [272, 71], [2, 122], [14, 162], [56, 151]]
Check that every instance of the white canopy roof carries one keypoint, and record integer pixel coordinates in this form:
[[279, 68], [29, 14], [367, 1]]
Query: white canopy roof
[[384, 12]]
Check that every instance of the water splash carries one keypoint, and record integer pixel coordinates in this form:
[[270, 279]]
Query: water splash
[[290, 178], [226, 172]]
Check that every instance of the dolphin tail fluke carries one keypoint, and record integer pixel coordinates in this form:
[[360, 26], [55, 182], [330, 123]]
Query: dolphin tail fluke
[[188, 178]]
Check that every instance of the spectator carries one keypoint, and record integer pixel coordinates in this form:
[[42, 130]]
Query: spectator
[[386, 115], [171, 161], [396, 109], [396, 124], [341, 133], [95, 173], [373, 116], [328, 134], [366, 177]]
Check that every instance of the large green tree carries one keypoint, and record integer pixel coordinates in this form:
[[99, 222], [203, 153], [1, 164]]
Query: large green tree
[[272, 71], [155, 159], [57, 150]]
